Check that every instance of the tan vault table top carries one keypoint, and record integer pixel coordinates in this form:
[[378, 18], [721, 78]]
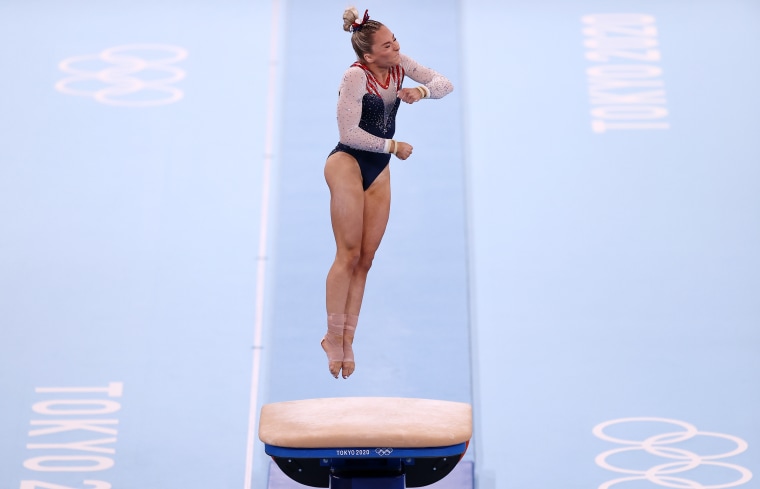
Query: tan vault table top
[[365, 422]]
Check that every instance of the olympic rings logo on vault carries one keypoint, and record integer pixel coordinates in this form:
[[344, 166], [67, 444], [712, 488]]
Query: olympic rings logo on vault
[[135, 75], [689, 467]]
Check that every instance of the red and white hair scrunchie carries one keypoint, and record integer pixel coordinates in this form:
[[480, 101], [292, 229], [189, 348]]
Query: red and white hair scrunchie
[[357, 26]]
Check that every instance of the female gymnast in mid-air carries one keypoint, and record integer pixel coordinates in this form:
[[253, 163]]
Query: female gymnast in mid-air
[[357, 171]]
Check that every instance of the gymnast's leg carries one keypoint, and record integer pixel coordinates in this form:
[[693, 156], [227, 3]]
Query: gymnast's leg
[[377, 202], [347, 214]]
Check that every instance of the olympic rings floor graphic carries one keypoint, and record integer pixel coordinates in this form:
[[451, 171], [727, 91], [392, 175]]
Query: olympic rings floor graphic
[[117, 82], [684, 460]]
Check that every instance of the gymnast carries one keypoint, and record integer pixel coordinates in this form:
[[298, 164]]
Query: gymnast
[[357, 170]]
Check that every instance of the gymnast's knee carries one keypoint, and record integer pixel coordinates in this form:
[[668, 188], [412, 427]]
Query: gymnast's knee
[[349, 258], [364, 263]]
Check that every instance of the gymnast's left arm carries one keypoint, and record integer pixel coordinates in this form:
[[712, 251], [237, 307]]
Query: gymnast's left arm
[[432, 83]]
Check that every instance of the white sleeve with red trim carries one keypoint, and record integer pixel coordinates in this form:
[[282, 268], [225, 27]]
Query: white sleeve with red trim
[[352, 90], [437, 85]]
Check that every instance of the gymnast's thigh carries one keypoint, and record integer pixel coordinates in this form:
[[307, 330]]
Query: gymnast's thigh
[[346, 200], [342, 169], [377, 206]]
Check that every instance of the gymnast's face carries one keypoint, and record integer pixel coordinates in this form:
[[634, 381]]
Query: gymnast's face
[[385, 49]]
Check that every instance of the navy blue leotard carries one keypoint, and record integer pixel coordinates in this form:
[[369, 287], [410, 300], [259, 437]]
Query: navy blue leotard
[[377, 120], [367, 111], [374, 122]]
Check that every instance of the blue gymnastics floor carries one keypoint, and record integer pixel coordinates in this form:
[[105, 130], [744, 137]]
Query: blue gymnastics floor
[[573, 247]]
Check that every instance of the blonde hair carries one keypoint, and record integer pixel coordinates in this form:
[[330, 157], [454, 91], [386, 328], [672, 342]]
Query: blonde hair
[[361, 39]]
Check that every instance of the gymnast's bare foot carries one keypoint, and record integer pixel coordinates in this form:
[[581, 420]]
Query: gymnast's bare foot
[[348, 340], [348, 355], [332, 343]]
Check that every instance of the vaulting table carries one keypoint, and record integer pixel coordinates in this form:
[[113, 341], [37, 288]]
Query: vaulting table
[[366, 442]]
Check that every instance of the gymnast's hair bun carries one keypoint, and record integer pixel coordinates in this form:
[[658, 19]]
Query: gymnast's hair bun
[[349, 17]]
